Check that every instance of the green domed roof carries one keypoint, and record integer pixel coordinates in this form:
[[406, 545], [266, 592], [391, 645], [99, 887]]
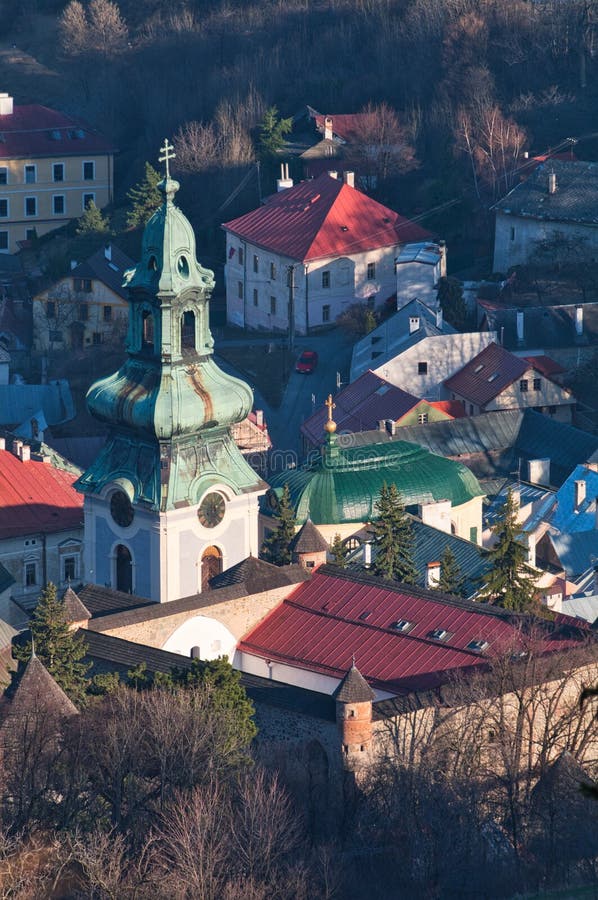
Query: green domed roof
[[344, 484]]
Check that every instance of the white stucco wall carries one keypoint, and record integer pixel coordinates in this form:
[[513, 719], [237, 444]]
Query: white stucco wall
[[516, 237], [211, 636], [47, 553]]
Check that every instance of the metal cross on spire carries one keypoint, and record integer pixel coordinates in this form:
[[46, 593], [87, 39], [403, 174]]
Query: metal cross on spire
[[168, 153], [331, 405]]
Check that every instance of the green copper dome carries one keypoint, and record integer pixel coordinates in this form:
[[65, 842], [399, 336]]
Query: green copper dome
[[344, 484]]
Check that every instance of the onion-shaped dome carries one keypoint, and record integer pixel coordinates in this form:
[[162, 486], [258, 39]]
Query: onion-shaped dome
[[344, 484]]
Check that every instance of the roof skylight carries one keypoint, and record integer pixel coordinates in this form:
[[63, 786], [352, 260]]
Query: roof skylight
[[439, 634], [402, 625], [478, 646]]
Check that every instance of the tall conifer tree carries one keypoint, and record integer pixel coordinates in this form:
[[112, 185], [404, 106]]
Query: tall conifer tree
[[393, 538], [276, 547], [452, 580], [509, 581]]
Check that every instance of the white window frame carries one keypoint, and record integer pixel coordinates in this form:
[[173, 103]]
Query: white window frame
[[7, 201], [29, 215], [88, 162], [30, 166], [54, 198], [91, 199], [58, 180]]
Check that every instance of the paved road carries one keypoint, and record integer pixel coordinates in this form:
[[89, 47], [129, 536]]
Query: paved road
[[334, 351]]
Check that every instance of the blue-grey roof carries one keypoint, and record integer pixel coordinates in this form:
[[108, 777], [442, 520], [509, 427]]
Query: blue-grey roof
[[577, 552], [392, 337], [544, 327], [564, 516], [6, 579], [540, 497], [582, 607], [575, 198], [19, 402]]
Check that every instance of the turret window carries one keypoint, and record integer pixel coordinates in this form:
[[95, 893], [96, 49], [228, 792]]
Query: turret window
[[147, 331], [183, 267], [188, 330], [152, 264]]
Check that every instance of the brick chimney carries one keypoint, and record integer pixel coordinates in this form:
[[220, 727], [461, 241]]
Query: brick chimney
[[328, 128]]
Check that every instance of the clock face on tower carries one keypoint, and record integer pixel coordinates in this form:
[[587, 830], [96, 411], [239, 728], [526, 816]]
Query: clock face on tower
[[211, 510], [120, 509]]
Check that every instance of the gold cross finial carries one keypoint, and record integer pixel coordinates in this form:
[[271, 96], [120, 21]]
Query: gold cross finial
[[330, 425], [168, 153]]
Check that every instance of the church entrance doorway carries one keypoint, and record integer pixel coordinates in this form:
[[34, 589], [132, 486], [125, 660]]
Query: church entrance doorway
[[124, 570], [211, 564]]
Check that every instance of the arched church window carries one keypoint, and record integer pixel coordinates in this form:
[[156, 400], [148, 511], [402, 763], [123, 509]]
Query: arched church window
[[124, 569], [211, 565], [188, 330], [147, 330]]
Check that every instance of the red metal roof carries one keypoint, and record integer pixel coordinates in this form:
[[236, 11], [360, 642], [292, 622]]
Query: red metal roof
[[487, 375], [36, 497], [545, 365], [346, 127], [321, 218], [331, 617], [32, 131], [453, 408]]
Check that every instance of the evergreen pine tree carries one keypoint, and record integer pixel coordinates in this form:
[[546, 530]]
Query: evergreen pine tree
[[92, 221], [276, 546], [145, 198], [338, 551], [58, 648], [393, 538], [452, 580], [509, 581], [272, 132]]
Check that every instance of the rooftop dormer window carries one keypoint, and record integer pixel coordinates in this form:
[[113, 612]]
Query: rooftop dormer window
[[439, 634], [478, 646]]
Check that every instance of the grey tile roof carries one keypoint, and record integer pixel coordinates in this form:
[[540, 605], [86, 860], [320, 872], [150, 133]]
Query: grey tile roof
[[353, 688], [575, 199], [101, 601], [257, 575], [75, 610], [308, 540], [544, 327], [109, 271], [36, 691]]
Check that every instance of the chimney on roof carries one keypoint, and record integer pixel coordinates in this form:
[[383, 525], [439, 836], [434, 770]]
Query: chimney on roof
[[17, 447], [6, 105], [367, 554], [259, 417], [328, 128], [74, 264], [579, 321], [439, 318], [413, 324], [25, 454], [432, 574], [531, 549], [2, 443], [108, 252], [333, 173], [552, 183], [284, 182], [391, 426], [349, 178], [520, 327], [526, 154], [580, 492]]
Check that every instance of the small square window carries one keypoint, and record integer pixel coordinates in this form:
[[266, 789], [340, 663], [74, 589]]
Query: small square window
[[326, 279], [30, 175], [256, 263], [58, 172], [87, 199], [240, 290], [58, 205], [51, 309], [3, 208], [89, 171], [422, 368], [82, 285], [273, 305], [30, 574], [371, 271], [523, 385], [30, 206], [3, 240], [3, 175], [107, 314], [537, 384], [240, 256], [326, 313], [422, 418], [255, 297]]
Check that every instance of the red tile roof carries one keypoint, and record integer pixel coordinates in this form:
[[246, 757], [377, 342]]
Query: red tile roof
[[545, 365], [453, 408], [335, 615], [346, 127], [35, 497], [487, 375], [321, 218], [32, 131]]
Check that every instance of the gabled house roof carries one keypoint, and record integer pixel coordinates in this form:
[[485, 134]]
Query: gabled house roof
[[36, 497], [33, 131], [322, 218], [108, 265], [543, 326], [487, 375], [321, 623], [19, 403], [345, 126], [575, 199], [360, 406]]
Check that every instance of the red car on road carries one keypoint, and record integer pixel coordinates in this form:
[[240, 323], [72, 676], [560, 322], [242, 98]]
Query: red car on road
[[307, 362]]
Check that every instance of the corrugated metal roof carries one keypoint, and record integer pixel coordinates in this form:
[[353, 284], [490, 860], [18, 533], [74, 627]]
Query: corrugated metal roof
[[34, 130], [487, 375], [36, 497], [543, 326], [422, 252], [585, 608], [565, 516], [577, 552], [328, 619], [322, 218]]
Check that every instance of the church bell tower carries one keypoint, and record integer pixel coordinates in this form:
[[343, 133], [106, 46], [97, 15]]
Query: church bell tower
[[170, 501]]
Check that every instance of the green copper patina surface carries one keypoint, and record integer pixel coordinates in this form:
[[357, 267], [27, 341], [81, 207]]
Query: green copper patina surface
[[343, 485], [169, 407]]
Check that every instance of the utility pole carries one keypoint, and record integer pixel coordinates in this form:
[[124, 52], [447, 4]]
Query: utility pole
[[291, 286]]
